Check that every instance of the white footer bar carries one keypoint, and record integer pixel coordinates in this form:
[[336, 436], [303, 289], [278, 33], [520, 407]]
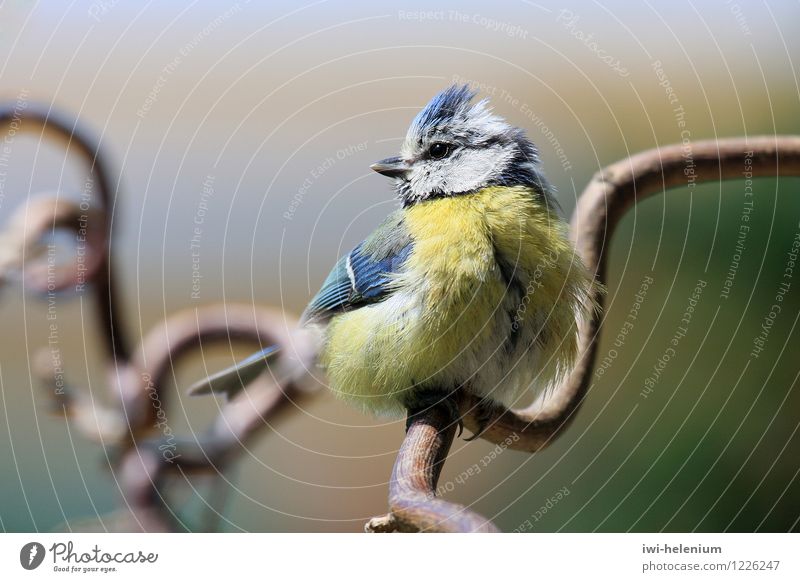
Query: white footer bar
[[376, 557]]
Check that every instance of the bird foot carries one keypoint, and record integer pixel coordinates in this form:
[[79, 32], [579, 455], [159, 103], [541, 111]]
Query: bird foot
[[424, 401], [483, 414]]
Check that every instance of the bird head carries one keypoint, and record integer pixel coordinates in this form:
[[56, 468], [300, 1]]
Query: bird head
[[455, 146]]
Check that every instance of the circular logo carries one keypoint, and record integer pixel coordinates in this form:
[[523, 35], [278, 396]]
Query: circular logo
[[31, 555]]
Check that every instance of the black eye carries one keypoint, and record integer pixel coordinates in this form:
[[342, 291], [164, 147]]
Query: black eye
[[439, 150]]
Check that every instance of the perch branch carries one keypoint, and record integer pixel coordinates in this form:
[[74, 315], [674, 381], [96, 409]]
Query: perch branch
[[612, 191], [413, 503], [610, 194]]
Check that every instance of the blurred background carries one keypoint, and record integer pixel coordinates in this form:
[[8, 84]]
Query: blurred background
[[261, 120]]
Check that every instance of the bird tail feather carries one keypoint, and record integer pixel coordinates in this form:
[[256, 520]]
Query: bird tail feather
[[290, 363], [233, 379]]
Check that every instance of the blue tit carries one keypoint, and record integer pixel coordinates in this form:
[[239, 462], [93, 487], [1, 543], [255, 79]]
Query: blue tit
[[471, 285]]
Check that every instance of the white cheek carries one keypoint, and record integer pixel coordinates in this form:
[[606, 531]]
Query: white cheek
[[477, 167], [469, 171]]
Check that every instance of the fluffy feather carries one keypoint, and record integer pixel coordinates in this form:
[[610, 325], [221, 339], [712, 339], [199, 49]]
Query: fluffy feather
[[473, 285], [487, 303]]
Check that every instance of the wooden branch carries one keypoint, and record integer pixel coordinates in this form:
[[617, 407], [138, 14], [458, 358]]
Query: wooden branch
[[610, 194], [103, 186], [241, 417], [413, 503]]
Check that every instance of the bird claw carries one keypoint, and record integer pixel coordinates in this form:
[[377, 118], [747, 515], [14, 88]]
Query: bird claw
[[484, 412]]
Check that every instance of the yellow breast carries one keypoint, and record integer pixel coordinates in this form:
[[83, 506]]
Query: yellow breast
[[451, 304]]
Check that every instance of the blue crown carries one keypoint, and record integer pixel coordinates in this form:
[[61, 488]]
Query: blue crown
[[446, 106]]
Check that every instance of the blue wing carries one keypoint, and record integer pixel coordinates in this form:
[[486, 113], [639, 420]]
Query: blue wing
[[365, 274], [359, 278]]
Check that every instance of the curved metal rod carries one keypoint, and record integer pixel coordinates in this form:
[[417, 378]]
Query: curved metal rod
[[29, 114], [606, 199], [178, 335], [20, 244], [412, 490], [147, 462], [143, 457], [143, 469], [140, 383]]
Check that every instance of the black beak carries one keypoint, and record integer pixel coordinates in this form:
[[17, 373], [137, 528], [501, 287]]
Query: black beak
[[392, 167]]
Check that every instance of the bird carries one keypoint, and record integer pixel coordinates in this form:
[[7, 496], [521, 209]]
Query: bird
[[471, 286]]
